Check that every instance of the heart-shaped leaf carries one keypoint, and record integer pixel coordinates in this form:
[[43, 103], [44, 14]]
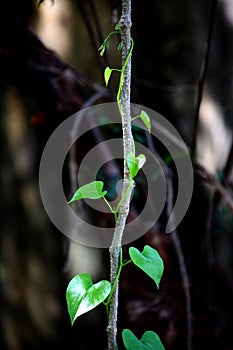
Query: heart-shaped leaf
[[146, 119], [150, 341], [107, 75], [82, 295], [93, 190], [135, 163], [149, 261]]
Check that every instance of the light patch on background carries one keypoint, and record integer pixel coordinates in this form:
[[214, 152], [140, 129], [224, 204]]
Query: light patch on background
[[54, 26], [214, 138], [228, 6]]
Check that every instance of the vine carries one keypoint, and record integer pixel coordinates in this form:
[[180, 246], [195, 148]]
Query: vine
[[82, 295]]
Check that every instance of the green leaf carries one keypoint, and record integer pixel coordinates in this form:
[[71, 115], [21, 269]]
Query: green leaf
[[117, 26], [82, 295], [150, 341], [107, 75], [102, 49], [104, 46], [149, 261], [146, 120], [135, 163], [93, 190]]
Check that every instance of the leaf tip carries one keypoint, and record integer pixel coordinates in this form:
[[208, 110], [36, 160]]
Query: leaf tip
[[146, 120]]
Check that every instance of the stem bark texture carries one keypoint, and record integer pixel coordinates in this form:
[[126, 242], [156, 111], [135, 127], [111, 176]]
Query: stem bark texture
[[125, 27]]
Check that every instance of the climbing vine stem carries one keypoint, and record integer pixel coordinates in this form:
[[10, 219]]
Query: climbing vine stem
[[123, 99]]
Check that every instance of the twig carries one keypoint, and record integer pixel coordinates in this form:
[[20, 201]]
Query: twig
[[223, 188], [228, 166], [73, 167], [215, 202], [220, 191], [183, 269], [176, 242], [96, 21], [202, 76], [213, 181], [125, 26], [91, 31], [29, 65]]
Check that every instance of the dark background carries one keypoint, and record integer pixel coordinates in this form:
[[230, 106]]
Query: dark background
[[49, 68]]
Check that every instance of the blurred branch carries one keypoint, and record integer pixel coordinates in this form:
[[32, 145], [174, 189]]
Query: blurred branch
[[202, 76], [40, 74], [183, 269], [73, 166], [94, 29], [96, 21], [228, 166], [223, 187], [93, 25], [176, 242], [215, 202], [214, 181]]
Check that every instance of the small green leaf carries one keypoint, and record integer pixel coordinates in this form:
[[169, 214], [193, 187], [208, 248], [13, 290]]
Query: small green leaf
[[149, 261], [93, 190], [117, 26], [107, 75], [135, 163], [150, 341], [104, 46], [82, 295], [146, 120], [102, 49]]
